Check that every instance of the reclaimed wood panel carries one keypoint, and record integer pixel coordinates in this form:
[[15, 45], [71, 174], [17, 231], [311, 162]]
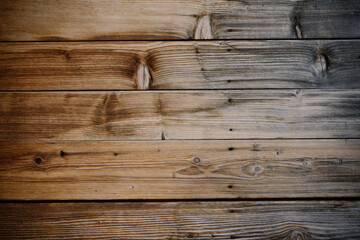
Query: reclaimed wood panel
[[180, 65], [43, 20], [155, 115], [182, 220], [179, 169]]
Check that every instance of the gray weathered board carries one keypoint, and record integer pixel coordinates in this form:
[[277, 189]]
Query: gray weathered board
[[248, 109]]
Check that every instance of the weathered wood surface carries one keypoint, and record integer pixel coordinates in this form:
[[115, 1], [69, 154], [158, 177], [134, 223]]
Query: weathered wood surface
[[180, 65], [298, 220], [179, 169], [245, 114], [38, 20]]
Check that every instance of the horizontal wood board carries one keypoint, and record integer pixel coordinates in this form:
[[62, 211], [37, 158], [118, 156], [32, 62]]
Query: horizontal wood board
[[322, 64], [298, 220], [65, 20], [179, 169], [162, 115]]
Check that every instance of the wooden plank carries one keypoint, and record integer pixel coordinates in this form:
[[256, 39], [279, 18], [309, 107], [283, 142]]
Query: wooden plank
[[39, 20], [182, 220], [180, 65], [179, 169], [245, 114]]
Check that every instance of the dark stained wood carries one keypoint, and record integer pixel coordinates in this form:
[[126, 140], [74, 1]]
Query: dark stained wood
[[37, 20], [179, 169], [298, 220], [245, 114], [180, 65]]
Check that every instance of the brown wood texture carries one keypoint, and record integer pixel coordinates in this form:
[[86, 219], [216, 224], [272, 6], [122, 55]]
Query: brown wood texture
[[298, 220], [180, 65], [179, 169], [38, 20], [156, 115]]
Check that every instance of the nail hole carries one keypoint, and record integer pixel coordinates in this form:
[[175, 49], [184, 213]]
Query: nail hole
[[277, 153], [197, 160], [229, 81], [230, 129], [229, 49], [230, 186], [115, 154], [229, 100], [38, 160], [231, 211], [62, 153], [231, 148], [230, 30]]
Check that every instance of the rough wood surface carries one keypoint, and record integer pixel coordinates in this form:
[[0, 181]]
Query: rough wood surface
[[245, 114], [37, 20], [180, 65], [179, 169], [298, 220]]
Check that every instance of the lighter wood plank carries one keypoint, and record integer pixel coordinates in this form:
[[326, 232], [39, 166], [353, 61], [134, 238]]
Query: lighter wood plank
[[298, 220], [245, 114], [37, 20], [179, 169], [180, 65]]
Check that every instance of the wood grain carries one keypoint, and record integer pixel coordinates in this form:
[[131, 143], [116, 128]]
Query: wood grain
[[245, 114], [298, 220], [179, 169], [180, 65], [39, 20]]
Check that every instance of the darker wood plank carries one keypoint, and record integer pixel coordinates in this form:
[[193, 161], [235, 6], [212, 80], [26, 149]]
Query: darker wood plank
[[42, 20], [180, 65], [182, 220], [246, 114], [179, 169]]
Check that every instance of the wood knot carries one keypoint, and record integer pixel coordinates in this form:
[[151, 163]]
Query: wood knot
[[189, 171], [320, 64], [296, 235], [256, 169], [203, 28], [143, 77], [38, 160], [197, 160]]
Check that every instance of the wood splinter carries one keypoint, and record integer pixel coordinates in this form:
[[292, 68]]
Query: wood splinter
[[203, 28], [143, 77], [320, 64]]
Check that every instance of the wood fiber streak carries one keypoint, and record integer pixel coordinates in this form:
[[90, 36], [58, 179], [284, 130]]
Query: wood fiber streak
[[320, 64], [179, 169], [182, 220], [245, 114], [42, 20]]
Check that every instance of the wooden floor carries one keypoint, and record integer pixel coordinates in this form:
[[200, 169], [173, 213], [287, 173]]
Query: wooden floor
[[187, 119]]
